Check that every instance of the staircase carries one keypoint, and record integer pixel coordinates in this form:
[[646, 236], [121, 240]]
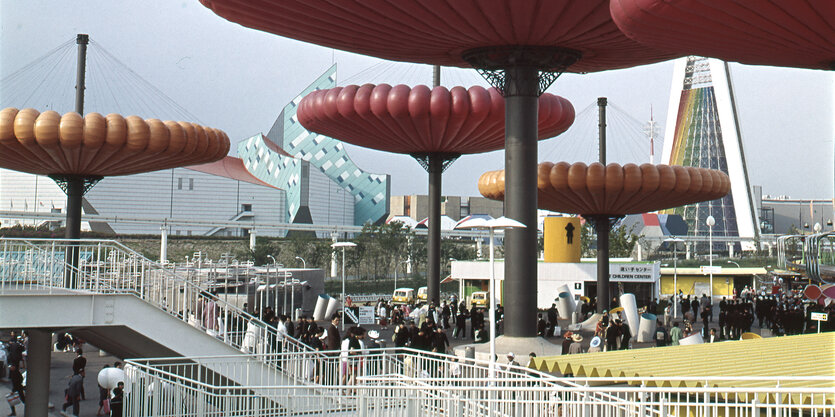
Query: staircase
[[131, 306]]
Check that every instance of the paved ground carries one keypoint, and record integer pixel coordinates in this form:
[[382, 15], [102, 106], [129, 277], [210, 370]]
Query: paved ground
[[60, 373]]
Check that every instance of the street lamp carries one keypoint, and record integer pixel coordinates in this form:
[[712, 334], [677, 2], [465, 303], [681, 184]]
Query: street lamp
[[500, 223], [395, 271], [710, 221], [304, 264], [675, 241], [343, 245], [735, 263], [267, 288]]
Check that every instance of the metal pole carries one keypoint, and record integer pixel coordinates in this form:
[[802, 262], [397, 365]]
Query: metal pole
[[163, 243], [675, 279], [343, 289], [284, 308], [75, 193], [601, 125], [711, 263], [602, 222], [37, 367], [433, 243], [492, 313], [521, 112], [602, 226], [82, 40], [436, 75]]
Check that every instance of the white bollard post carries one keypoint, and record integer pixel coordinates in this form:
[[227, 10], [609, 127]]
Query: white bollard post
[[163, 244]]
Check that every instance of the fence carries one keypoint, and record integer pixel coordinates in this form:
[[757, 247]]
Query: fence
[[405, 382], [108, 267]]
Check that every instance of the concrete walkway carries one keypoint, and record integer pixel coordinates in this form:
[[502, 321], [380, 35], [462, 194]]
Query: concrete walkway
[[60, 373]]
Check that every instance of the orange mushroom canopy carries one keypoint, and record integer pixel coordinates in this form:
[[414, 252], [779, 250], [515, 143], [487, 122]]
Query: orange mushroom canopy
[[94, 145], [614, 190]]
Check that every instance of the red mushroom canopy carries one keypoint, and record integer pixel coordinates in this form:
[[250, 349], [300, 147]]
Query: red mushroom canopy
[[419, 120], [440, 31], [792, 33], [615, 190], [95, 145]]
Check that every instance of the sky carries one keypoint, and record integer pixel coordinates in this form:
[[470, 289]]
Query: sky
[[238, 79]]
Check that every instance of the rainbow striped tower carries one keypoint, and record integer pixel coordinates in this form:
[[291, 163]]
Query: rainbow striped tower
[[705, 133]]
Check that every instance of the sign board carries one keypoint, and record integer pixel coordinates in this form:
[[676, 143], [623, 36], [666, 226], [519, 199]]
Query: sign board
[[820, 316], [634, 272], [350, 315], [701, 288], [366, 315], [705, 269]]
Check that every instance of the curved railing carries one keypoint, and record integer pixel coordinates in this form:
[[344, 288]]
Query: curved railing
[[397, 382]]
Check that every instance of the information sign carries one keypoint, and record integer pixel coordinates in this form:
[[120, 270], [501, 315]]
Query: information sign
[[366, 315]]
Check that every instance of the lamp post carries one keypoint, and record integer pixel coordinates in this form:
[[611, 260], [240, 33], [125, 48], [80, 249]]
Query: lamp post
[[735, 263], [275, 265], [710, 221], [675, 241], [343, 245], [304, 263], [500, 223], [395, 271]]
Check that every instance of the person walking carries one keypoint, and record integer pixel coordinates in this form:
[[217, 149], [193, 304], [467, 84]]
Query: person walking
[[460, 324], [79, 366], [612, 336], [675, 334], [626, 335], [333, 341], [117, 400], [595, 345], [17, 386], [662, 337], [73, 394], [552, 320], [576, 344], [511, 361], [566, 342]]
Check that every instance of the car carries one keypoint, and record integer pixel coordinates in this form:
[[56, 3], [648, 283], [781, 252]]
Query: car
[[479, 299], [421, 295], [403, 296]]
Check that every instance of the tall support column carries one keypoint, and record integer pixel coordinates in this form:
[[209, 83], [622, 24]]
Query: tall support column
[[81, 68], [75, 194], [601, 126], [38, 361], [433, 244], [601, 225], [520, 287]]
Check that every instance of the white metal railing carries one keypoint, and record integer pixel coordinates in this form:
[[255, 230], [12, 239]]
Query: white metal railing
[[398, 382], [108, 267]]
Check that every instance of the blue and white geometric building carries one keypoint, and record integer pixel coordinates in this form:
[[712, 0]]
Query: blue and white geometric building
[[371, 192]]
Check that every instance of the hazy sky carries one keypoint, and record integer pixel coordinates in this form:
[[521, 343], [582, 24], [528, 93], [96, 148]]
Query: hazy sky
[[238, 79]]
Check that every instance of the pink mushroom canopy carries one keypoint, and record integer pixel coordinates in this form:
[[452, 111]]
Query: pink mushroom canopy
[[420, 120], [792, 33], [440, 31]]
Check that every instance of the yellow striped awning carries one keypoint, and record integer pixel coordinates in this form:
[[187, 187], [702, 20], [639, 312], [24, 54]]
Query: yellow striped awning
[[810, 355]]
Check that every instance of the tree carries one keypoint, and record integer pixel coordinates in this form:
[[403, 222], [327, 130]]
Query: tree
[[621, 241]]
